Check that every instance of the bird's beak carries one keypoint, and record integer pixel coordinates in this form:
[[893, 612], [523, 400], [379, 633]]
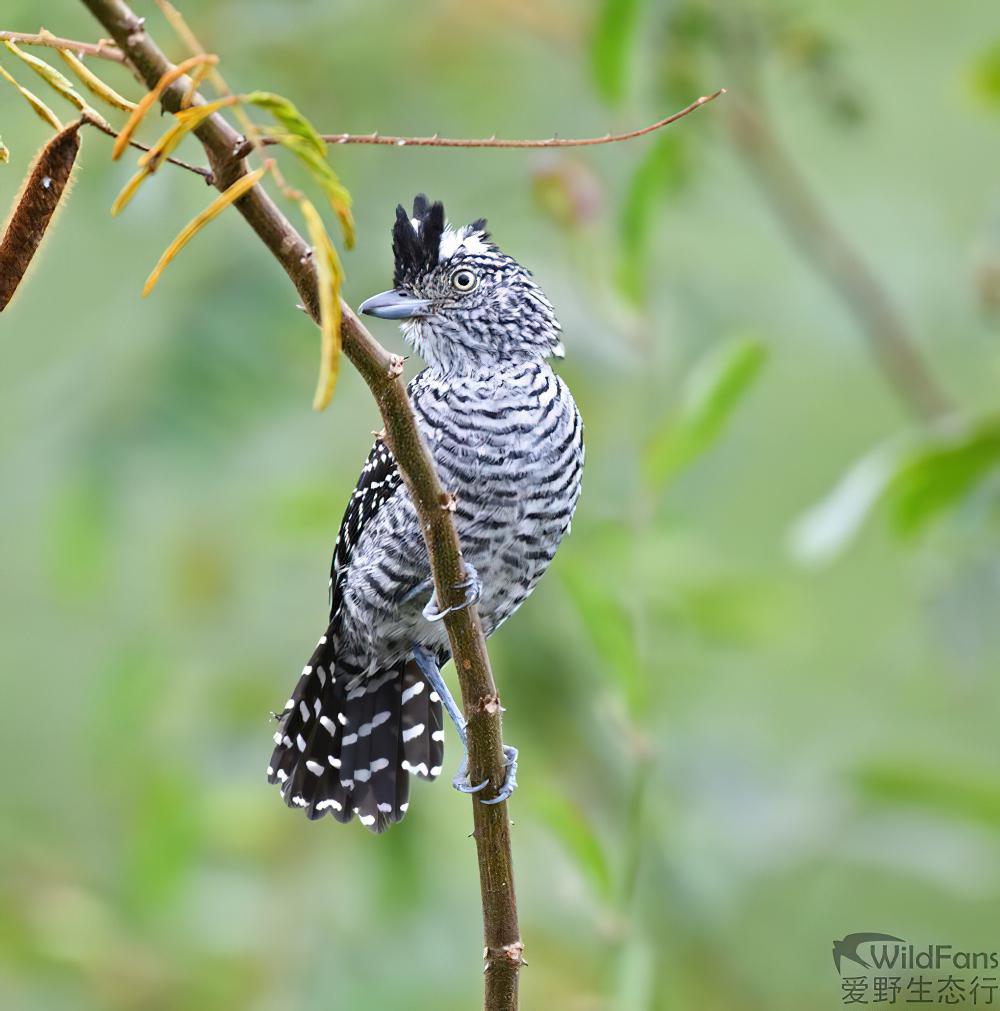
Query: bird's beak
[[394, 304]]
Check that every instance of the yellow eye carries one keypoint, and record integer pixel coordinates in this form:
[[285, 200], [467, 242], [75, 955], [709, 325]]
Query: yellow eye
[[463, 279]]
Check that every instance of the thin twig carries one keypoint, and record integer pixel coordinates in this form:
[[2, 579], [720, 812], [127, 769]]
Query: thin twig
[[380, 371], [108, 51], [494, 142], [205, 173], [103, 49]]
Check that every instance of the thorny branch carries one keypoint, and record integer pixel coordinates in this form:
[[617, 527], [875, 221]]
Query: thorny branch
[[205, 173], [102, 48], [107, 51], [495, 142], [377, 366], [227, 150]]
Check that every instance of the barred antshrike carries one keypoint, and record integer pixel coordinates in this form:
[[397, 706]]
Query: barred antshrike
[[507, 440]]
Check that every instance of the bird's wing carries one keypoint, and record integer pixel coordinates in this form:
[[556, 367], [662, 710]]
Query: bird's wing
[[380, 480]]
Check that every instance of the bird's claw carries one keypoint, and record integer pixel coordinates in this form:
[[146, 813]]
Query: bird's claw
[[510, 779], [472, 587], [462, 784], [461, 779]]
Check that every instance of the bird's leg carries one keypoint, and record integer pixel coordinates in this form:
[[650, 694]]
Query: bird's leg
[[470, 585], [428, 667]]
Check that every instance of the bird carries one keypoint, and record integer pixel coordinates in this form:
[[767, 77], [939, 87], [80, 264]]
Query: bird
[[507, 441]]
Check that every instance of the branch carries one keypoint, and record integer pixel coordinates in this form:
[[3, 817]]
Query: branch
[[801, 213], [832, 255], [103, 48], [381, 371], [436, 141], [107, 51], [205, 173]]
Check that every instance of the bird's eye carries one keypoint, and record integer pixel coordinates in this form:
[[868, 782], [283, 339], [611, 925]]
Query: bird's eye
[[463, 279]]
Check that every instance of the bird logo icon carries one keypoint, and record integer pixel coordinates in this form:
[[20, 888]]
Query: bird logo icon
[[848, 947]]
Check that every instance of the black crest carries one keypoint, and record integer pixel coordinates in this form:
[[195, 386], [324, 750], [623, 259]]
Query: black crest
[[416, 247]]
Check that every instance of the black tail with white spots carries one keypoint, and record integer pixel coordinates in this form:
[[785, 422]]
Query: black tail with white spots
[[347, 744]]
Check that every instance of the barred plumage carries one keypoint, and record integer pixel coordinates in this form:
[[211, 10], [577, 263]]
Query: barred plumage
[[507, 440]]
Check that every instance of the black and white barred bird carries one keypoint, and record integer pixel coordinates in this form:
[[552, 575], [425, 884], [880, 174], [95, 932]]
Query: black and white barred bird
[[506, 436]]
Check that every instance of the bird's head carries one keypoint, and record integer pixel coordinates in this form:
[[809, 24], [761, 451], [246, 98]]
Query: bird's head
[[463, 303]]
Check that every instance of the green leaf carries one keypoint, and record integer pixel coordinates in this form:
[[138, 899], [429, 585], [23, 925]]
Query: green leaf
[[289, 117], [606, 613], [986, 74], [937, 477], [661, 173], [916, 480], [831, 525], [959, 793], [569, 824], [612, 44], [308, 146], [166, 821], [333, 189], [712, 392]]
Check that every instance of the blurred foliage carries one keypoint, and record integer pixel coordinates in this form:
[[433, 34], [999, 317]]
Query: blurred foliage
[[986, 74], [611, 48], [728, 757], [711, 392], [917, 479]]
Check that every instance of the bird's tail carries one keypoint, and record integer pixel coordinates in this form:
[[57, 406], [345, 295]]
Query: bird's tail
[[347, 744]]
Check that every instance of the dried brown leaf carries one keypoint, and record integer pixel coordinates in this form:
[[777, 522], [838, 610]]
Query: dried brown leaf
[[36, 205]]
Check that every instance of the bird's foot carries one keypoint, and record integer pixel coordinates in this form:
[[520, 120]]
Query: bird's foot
[[472, 588], [461, 778], [463, 785], [510, 777]]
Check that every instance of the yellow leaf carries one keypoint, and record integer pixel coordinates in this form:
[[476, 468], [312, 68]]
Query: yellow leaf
[[41, 109], [49, 74], [323, 174], [153, 96], [329, 276], [191, 229], [94, 84], [197, 76], [186, 121], [129, 190]]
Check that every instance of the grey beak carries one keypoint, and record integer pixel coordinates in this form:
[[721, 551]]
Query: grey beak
[[394, 304]]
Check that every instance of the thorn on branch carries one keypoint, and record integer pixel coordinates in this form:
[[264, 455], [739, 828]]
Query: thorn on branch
[[448, 502], [512, 953], [490, 704], [395, 369]]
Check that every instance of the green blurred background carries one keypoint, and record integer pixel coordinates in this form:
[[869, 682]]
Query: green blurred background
[[746, 726]]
